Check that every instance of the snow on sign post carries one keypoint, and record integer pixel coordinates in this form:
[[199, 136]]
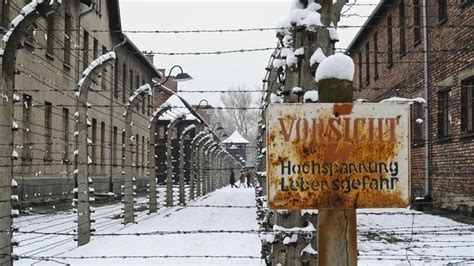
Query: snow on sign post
[[338, 156]]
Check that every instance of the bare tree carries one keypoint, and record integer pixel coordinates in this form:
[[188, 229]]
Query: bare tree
[[238, 112]]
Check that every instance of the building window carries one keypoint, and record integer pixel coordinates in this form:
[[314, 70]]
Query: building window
[[137, 150], [464, 3], [131, 83], [67, 39], [143, 151], [115, 82], [124, 83], [103, 81], [401, 27], [94, 141], [367, 63], [143, 99], [95, 49], [5, 13], [444, 114], [51, 28], [389, 42], [102, 145], [123, 149], [48, 113], [26, 155], [150, 104], [376, 56], [137, 106], [417, 121], [66, 135], [467, 106], [85, 50], [114, 146], [416, 21], [442, 11]]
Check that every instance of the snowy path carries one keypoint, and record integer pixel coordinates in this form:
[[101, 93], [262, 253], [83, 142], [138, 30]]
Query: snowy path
[[385, 236], [179, 218]]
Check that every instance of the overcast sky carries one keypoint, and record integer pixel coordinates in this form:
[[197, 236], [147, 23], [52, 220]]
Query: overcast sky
[[216, 72]]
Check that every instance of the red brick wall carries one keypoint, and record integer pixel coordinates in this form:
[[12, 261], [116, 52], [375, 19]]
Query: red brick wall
[[161, 97], [452, 159]]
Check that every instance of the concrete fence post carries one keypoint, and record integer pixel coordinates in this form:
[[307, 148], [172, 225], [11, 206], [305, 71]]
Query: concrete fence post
[[152, 195]]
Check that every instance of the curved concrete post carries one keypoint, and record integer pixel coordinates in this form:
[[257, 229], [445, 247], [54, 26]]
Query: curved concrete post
[[129, 216], [226, 165], [83, 159], [205, 165], [12, 39], [200, 163], [169, 162], [194, 163], [222, 168], [182, 192], [152, 203], [214, 167]]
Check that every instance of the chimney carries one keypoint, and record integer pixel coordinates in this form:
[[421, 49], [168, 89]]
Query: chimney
[[150, 57]]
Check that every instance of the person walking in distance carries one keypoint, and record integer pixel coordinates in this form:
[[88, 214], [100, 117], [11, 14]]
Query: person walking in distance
[[242, 179], [249, 178], [232, 179]]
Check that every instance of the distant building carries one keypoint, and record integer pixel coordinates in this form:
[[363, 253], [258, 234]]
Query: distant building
[[388, 53], [237, 145]]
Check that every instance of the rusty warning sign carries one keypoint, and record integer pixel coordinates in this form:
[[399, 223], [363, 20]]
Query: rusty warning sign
[[338, 156]]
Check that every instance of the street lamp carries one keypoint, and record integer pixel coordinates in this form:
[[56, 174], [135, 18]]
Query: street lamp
[[183, 76], [219, 128], [203, 106]]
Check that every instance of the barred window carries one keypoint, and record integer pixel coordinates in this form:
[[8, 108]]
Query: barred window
[[442, 11], [467, 105], [66, 135], [417, 122], [389, 42], [50, 32], [444, 114], [114, 146], [401, 27], [48, 113], [26, 155], [416, 21], [85, 50]]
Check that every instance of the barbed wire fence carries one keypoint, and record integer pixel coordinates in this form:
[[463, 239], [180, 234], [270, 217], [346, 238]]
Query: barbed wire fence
[[30, 141]]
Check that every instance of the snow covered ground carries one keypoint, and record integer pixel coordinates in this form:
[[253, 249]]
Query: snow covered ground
[[386, 236]]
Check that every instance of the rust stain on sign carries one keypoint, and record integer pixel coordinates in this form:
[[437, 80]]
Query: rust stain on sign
[[338, 156]]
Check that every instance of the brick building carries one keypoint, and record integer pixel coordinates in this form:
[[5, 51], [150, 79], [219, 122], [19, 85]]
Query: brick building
[[388, 53], [49, 66]]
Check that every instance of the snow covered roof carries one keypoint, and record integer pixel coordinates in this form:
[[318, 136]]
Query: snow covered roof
[[236, 138], [177, 109]]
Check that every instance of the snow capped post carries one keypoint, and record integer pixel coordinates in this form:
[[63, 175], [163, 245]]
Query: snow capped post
[[206, 135], [182, 194], [169, 159], [308, 35], [337, 229], [129, 216], [152, 203], [193, 178], [205, 165], [83, 159], [12, 39]]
